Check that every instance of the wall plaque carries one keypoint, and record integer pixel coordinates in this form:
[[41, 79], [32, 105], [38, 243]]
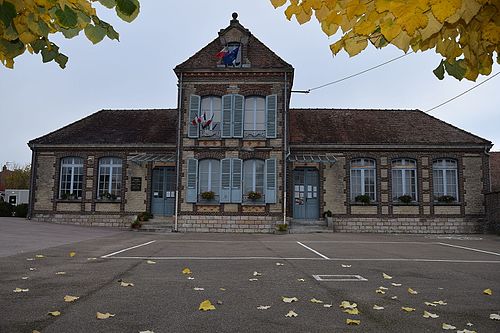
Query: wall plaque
[[135, 184]]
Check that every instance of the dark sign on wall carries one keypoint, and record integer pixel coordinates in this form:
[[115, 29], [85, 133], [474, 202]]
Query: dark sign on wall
[[135, 184]]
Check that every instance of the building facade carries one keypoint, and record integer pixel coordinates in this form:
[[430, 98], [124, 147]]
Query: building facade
[[233, 157]]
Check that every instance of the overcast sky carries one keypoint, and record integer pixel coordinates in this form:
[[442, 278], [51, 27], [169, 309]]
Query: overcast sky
[[136, 73]]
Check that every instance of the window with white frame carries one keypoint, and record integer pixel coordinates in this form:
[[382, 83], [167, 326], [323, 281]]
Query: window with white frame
[[110, 178], [253, 180], [445, 179], [209, 179], [71, 178], [404, 179], [255, 117], [363, 178], [210, 113]]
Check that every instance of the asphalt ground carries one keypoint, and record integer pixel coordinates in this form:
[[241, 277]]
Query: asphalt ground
[[452, 269]]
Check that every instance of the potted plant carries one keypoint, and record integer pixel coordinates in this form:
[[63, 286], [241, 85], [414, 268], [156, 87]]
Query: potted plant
[[68, 196], [136, 224], [254, 196], [144, 216], [208, 195], [363, 198], [446, 199], [281, 228], [406, 199], [108, 196], [328, 215]]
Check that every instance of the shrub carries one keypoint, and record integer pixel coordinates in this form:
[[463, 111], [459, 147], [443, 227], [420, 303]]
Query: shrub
[[282, 227], [5, 209], [405, 199], [365, 199], [136, 224], [21, 210], [144, 216], [208, 195], [108, 196], [446, 198]]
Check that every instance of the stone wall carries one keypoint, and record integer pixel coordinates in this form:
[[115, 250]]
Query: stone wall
[[44, 181], [97, 220], [232, 224]]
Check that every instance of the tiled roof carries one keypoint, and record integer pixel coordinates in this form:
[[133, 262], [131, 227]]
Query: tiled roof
[[345, 126], [118, 127]]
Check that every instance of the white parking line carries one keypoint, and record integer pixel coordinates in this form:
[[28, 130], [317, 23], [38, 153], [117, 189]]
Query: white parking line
[[129, 248], [469, 248], [313, 250]]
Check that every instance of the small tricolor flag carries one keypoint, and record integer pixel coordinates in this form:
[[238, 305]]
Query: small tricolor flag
[[228, 57]]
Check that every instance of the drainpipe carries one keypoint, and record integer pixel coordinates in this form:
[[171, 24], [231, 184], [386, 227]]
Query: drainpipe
[[32, 184], [178, 159], [285, 152]]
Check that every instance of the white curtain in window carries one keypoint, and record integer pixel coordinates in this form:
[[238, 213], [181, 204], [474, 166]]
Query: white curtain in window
[[404, 178], [253, 176], [255, 113], [71, 179], [209, 176], [110, 176], [445, 178], [363, 178]]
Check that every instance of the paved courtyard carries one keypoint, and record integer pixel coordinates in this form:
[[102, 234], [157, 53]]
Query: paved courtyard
[[246, 278]]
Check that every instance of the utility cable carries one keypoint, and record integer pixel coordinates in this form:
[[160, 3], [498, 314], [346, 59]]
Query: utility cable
[[465, 92]]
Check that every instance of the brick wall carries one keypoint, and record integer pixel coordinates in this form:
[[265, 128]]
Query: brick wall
[[493, 211], [495, 171]]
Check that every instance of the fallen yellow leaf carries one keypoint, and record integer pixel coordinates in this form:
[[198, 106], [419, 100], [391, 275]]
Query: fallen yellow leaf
[[411, 291], [440, 303], [72, 254], [32, 269], [206, 305], [387, 277], [146, 331], [257, 274], [495, 316], [327, 305], [301, 280], [376, 307], [396, 284], [291, 314], [354, 311], [487, 291], [190, 278], [39, 256], [394, 297], [126, 284], [352, 321], [222, 289], [24, 278], [346, 266], [198, 288], [54, 313], [290, 299], [383, 288], [90, 259], [407, 309], [430, 315], [348, 305], [314, 300], [430, 304], [378, 291], [448, 327], [263, 307], [35, 331], [30, 259], [279, 264], [60, 273], [106, 315], [20, 290], [69, 298], [466, 331], [253, 280], [151, 262], [186, 271]]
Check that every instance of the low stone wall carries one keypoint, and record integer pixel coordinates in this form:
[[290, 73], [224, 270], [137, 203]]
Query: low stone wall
[[438, 225], [239, 224], [97, 220]]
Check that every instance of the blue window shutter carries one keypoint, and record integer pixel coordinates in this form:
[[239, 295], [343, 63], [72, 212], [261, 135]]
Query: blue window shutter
[[225, 181], [236, 192], [271, 116], [192, 180], [194, 111], [238, 106], [227, 107], [270, 180]]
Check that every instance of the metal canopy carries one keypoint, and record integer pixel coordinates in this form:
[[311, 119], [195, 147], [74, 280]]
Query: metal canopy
[[312, 158], [145, 158]]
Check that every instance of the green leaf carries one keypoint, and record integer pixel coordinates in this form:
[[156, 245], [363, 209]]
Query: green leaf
[[49, 54], [95, 33], [44, 28], [61, 59], [455, 69], [127, 10], [11, 49], [70, 33], [7, 13], [38, 45], [439, 71], [67, 18], [108, 3], [10, 33], [112, 34]]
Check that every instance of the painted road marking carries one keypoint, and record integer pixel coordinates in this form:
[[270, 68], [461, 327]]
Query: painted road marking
[[470, 249], [339, 278], [129, 248], [313, 250]]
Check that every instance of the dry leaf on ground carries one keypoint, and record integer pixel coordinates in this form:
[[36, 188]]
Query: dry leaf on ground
[[279, 264], [346, 266], [290, 299], [151, 262], [253, 280], [354, 311], [347, 305], [263, 307], [327, 305], [257, 274], [186, 271], [430, 304], [411, 291], [32, 269], [198, 289], [126, 284], [377, 307], [487, 291], [90, 259], [394, 297], [20, 290], [352, 321], [314, 300], [466, 331], [222, 289], [106, 315], [72, 254], [387, 277], [24, 278], [206, 305], [448, 327], [383, 288], [146, 331], [69, 298], [495, 316], [301, 280], [469, 324], [407, 309], [378, 291], [60, 273], [190, 278], [396, 284], [430, 315], [39, 256], [291, 314], [440, 303], [54, 313]]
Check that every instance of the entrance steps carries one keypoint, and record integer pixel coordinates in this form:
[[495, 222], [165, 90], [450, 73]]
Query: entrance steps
[[158, 224], [309, 226]]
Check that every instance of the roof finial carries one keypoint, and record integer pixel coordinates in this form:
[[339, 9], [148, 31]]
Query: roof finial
[[235, 17]]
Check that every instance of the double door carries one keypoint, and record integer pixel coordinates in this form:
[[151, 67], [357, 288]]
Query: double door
[[306, 193], [163, 191]]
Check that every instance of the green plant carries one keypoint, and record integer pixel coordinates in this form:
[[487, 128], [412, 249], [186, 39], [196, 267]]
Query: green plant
[[328, 213], [108, 196], [68, 196], [208, 195], [254, 196], [446, 199], [136, 224], [5, 209], [144, 216], [282, 227], [21, 210], [405, 199], [362, 198]]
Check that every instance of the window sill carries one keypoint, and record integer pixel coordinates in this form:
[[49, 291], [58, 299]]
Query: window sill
[[406, 204], [364, 204], [69, 200], [208, 203], [436, 203], [108, 201], [253, 203]]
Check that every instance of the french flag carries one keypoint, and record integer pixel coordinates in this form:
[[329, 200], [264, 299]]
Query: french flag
[[228, 57]]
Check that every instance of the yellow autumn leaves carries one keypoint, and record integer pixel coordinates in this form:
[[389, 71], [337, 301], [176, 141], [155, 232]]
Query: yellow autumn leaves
[[465, 32]]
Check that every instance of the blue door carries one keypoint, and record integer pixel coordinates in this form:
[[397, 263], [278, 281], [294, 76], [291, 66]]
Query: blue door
[[305, 194], [163, 191]]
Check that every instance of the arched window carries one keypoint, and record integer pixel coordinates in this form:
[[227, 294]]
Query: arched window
[[253, 180], [211, 108], [110, 178], [255, 117], [404, 179], [363, 178], [445, 179], [209, 178], [71, 178]]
